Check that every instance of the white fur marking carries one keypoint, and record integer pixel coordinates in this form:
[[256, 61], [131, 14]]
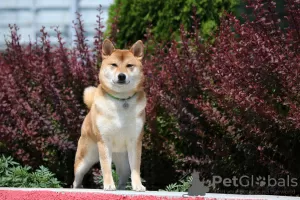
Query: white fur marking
[[119, 126]]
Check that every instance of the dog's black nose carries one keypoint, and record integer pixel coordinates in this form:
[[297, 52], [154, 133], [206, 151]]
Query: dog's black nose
[[121, 77]]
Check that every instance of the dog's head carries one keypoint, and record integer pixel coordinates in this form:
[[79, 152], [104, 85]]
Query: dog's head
[[121, 70]]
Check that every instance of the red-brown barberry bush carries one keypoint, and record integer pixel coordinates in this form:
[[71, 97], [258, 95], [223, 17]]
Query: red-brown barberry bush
[[41, 98], [234, 104]]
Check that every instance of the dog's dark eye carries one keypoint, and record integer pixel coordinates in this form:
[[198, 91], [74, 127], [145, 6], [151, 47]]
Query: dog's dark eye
[[114, 64], [129, 65]]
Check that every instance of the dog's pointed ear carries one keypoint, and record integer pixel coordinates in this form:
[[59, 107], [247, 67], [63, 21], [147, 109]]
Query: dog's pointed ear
[[107, 48], [138, 49]]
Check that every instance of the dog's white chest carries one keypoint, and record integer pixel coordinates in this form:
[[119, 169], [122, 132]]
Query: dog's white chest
[[117, 125]]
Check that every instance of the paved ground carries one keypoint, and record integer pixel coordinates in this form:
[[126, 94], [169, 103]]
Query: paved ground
[[86, 194]]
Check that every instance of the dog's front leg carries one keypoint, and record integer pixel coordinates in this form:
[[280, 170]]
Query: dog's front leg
[[134, 154], [105, 155]]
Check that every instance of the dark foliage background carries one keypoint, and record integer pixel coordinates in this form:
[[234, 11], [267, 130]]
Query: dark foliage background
[[227, 108]]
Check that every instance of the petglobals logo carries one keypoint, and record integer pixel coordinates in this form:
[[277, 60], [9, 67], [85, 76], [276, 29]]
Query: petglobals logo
[[252, 181], [202, 187]]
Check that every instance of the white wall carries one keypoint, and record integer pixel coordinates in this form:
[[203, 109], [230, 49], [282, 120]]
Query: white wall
[[31, 15]]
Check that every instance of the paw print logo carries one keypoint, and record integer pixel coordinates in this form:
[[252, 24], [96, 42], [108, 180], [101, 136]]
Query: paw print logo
[[261, 181], [197, 187]]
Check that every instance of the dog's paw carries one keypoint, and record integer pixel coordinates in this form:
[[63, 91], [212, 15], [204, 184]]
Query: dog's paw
[[75, 186], [110, 187], [139, 188]]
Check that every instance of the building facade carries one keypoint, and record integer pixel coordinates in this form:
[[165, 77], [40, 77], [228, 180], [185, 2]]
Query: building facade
[[31, 15]]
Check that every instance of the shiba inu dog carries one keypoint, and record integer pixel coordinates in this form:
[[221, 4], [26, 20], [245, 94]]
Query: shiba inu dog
[[112, 131]]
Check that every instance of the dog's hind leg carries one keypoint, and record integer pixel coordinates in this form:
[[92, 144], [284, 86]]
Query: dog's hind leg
[[121, 161], [86, 156]]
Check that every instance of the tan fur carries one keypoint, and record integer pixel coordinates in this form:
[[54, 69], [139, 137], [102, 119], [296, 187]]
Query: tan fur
[[88, 96], [111, 132]]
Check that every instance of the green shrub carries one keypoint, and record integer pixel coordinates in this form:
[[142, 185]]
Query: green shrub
[[181, 186], [14, 175], [132, 18]]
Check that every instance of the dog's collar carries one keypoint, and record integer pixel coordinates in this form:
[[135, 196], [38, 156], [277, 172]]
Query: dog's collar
[[120, 99]]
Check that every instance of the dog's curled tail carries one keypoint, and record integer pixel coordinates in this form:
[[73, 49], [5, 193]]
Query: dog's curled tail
[[88, 96]]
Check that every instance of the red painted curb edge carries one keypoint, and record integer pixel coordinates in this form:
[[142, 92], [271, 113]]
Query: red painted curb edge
[[48, 195]]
